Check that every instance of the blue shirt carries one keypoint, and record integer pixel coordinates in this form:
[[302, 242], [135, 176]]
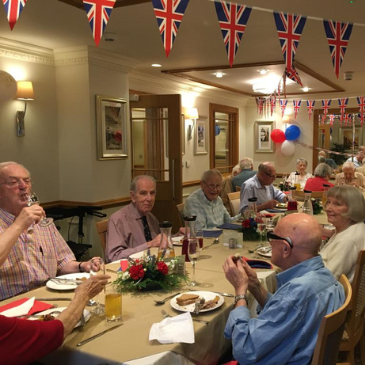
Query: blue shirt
[[252, 187], [285, 331], [239, 179], [209, 214]]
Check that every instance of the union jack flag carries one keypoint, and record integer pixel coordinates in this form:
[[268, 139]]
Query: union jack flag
[[361, 103], [169, 14], [98, 14], [290, 28], [297, 104], [326, 104], [338, 37], [260, 105], [232, 19], [332, 118], [272, 103], [13, 9], [310, 107], [347, 119], [343, 104], [283, 104]]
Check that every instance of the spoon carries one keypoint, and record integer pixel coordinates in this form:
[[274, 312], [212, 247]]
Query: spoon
[[215, 242], [160, 302]]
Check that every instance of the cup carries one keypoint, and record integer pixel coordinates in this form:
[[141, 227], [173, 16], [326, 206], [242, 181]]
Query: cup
[[113, 304]]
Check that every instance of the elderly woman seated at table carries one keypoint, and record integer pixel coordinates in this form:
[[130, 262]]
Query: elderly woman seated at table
[[322, 174], [301, 175], [348, 176], [345, 209]]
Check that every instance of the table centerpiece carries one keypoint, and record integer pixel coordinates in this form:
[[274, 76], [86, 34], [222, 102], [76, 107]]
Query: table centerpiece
[[249, 228]]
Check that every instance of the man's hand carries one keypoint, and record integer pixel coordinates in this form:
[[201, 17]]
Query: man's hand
[[92, 286], [93, 264], [253, 281], [155, 242], [236, 275], [28, 216], [271, 204]]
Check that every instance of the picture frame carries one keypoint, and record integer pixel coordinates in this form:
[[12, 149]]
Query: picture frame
[[346, 136], [111, 121], [262, 131], [200, 138]]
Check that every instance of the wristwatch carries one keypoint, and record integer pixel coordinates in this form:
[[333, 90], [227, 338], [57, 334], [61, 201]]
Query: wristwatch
[[239, 297]]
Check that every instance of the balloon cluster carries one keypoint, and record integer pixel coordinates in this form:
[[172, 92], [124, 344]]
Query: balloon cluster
[[292, 133]]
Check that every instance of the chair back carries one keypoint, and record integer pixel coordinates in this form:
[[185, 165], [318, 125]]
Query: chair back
[[180, 208], [234, 202], [102, 228], [331, 330], [238, 188]]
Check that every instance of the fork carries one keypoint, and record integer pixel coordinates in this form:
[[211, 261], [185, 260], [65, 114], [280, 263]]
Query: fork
[[166, 315]]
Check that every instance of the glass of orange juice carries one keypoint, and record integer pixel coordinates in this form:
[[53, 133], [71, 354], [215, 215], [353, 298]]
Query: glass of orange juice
[[113, 304]]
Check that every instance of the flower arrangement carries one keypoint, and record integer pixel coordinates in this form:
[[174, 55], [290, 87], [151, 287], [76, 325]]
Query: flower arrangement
[[249, 228], [317, 207], [149, 272]]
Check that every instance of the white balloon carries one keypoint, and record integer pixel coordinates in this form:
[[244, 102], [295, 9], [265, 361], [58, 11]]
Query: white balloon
[[287, 148], [8, 86]]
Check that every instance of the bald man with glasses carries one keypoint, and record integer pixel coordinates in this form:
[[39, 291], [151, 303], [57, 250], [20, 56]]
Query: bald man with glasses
[[260, 186], [286, 328]]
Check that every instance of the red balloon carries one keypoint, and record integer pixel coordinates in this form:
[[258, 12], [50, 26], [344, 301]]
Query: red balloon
[[278, 136]]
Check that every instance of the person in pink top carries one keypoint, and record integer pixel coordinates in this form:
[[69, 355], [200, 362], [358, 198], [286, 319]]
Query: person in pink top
[[322, 174]]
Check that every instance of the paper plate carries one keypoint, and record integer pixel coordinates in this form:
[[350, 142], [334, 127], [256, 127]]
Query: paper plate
[[52, 285], [207, 295]]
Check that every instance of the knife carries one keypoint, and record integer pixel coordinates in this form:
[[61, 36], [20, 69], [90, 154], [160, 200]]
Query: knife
[[224, 294], [98, 335]]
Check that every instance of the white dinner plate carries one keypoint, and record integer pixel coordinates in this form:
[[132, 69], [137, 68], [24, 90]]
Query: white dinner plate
[[264, 251], [52, 285], [177, 241], [61, 309], [207, 295], [138, 255]]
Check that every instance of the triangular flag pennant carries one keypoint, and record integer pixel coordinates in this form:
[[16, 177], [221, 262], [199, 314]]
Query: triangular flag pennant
[[338, 37], [272, 101], [13, 9], [332, 118], [343, 104], [283, 104], [169, 14], [98, 13], [346, 119], [325, 104], [290, 28], [232, 19], [260, 105], [297, 104], [310, 107], [361, 103]]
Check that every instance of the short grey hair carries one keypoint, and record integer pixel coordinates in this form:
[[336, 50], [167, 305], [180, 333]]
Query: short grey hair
[[354, 200], [299, 160], [237, 169], [206, 174], [3, 165], [322, 159], [134, 182], [348, 164], [265, 167], [323, 170], [246, 163]]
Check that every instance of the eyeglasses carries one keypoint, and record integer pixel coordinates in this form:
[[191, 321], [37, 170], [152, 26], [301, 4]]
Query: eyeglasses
[[273, 237], [270, 176], [17, 181], [213, 186]]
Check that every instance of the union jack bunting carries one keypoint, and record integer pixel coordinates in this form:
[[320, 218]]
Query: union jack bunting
[[260, 105], [232, 19], [169, 14], [361, 103], [290, 28], [343, 104], [98, 14], [13, 9], [332, 118], [297, 104], [272, 101], [310, 107], [283, 104], [338, 37], [326, 104]]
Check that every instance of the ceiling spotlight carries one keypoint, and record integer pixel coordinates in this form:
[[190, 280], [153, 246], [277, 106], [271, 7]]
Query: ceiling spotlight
[[305, 89], [263, 72], [156, 65], [109, 37], [219, 74]]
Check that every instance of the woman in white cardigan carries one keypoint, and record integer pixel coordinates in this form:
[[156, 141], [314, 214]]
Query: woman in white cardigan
[[303, 175]]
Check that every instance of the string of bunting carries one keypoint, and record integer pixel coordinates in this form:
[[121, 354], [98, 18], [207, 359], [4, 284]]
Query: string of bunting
[[322, 149]]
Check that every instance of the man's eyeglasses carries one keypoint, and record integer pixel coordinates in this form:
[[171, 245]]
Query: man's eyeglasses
[[17, 182], [271, 176], [273, 237], [213, 186]]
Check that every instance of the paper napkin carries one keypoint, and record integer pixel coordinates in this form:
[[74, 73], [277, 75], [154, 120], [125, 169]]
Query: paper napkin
[[174, 330], [22, 307]]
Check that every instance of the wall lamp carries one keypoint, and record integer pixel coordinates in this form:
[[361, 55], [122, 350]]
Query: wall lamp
[[25, 92], [192, 114]]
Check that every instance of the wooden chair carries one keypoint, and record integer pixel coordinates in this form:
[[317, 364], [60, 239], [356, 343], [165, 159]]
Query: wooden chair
[[238, 188], [234, 202], [180, 208], [354, 330], [101, 228], [331, 331]]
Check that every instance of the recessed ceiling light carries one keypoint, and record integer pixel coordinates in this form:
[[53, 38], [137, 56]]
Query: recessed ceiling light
[[156, 65], [306, 89], [263, 72], [219, 74]]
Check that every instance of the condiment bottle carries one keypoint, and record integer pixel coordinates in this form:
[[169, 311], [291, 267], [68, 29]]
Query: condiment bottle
[[252, 209], [292, 201], [307, 205], [189, 233], [166, 248]]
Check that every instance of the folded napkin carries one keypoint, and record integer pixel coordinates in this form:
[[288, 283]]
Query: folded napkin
[[23, 307], [212, 233], [258, 264], [174, 330], [232, 226], [124, 265]]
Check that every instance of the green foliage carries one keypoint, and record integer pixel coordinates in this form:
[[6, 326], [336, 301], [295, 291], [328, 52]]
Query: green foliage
[[339, 159]]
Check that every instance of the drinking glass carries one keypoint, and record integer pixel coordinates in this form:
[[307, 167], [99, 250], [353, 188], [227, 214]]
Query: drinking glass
[[193, 252], [33, 200], [97, 266], [261, 228], [113, 304]]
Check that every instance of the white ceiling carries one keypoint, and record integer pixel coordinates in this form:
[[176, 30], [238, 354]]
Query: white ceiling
[[52, 24]]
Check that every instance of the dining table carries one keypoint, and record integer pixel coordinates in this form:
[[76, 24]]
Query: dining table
[[129, 343]]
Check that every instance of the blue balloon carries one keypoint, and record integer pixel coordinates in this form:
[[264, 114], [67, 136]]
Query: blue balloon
[[292, 133]]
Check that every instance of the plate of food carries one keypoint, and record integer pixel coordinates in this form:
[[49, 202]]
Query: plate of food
[[47, 315], [281, 206], [264, 251], [186, 302], [177, 241], [67, 282]]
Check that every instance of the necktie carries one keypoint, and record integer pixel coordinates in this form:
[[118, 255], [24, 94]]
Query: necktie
[[147, 232]]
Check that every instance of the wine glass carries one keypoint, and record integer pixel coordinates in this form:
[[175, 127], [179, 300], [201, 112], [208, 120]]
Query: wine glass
[[261, 229], [33, 200], [193, 252], [97, 266]]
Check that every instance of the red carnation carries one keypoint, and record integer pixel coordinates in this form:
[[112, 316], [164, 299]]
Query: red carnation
[[136, 272], [246, 223], [162, 268]]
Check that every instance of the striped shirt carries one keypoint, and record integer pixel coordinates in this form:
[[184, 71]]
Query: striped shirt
[[38, 254]]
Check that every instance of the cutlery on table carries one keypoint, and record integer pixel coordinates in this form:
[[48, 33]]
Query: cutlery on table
[[66, 281], [38, 315], [224, 294], [54, 299], [111, 270], [198, 305], [166, 315], [215, 242], [98, 335], [160, 302]]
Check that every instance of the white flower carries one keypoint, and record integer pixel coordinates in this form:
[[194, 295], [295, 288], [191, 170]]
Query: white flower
[[125, 276]]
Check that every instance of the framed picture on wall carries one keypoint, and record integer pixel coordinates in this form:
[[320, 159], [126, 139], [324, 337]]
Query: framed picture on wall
[[262, 131], [111, 121], [349, 139], [200, 138]]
